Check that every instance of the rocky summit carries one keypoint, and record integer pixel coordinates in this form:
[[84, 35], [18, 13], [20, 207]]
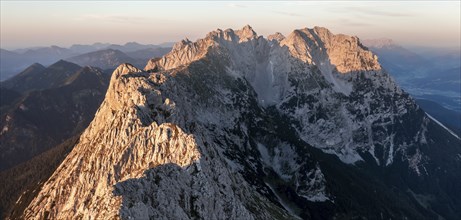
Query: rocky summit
[[238, 126]]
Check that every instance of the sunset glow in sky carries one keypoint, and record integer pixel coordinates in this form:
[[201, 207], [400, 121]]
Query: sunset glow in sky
[[44, 23]]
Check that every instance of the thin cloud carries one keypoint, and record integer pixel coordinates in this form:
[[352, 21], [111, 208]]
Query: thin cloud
[[233, 5], [347, 22], [368, 11], [116, 18], [378, 12], [288, 13]]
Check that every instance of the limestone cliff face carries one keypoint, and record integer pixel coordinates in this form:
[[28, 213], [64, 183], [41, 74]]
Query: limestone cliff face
[[319, 45], [115, 147], [133, 132], [186, 51], [236, 126]]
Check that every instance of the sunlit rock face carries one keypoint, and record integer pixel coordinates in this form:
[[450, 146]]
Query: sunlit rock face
[[237, 126], [310, 70], [115, 147], [138, 128]]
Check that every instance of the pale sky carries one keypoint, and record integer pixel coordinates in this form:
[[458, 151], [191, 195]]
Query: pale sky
[[63, 23]]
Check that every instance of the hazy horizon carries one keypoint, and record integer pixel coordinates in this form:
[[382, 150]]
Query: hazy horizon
[[407, 46], [45, 23]]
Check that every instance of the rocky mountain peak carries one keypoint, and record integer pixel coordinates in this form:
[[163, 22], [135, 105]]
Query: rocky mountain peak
[[185, 51], [124, 69], [119, 91], [181, 44], [246, 33], [344, 52], [277, 37], [246, 52]]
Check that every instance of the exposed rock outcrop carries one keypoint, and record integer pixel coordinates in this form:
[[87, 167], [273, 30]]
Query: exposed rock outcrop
[[235, 126]]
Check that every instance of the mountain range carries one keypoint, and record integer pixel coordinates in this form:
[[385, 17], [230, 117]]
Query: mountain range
[[105, 59], [15, 61], [240, 126], [54, 104], [43, 112]]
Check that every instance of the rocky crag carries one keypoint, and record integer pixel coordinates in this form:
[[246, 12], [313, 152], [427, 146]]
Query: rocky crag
[[238, 126]]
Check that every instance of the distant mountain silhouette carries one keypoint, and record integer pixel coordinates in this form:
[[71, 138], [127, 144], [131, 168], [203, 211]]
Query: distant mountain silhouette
[[15, 61], [37, 77], [105, 59], [149, 53]]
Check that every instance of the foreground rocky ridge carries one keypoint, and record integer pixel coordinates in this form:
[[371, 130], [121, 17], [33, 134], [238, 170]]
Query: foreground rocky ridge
[[114, 149], [242, 127]]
